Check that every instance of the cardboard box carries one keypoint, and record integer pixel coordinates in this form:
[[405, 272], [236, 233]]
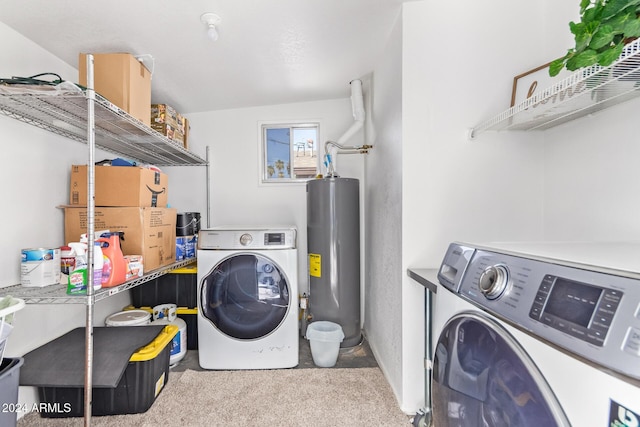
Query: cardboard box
[[187, 129], [135, 266], [150, 232], [165, 114], [123, 80], [170, 132], [120, 186]]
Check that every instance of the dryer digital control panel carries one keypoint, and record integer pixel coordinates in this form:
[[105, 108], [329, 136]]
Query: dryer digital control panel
[[247, 238], [587, 311], [579, 309]]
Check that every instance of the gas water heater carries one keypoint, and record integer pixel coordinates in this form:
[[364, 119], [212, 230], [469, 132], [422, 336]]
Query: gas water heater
[[333, 243]]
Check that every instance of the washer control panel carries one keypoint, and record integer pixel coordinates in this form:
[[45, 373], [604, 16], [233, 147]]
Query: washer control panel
[[255, 239], [586, 311]]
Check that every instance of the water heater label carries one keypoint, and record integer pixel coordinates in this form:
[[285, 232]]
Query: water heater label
[[315, 265]]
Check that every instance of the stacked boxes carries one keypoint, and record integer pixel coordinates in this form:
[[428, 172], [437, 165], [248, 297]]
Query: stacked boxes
[[166, 120], [129, 199]]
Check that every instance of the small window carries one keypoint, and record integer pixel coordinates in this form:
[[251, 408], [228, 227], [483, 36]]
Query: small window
[[289, 152]]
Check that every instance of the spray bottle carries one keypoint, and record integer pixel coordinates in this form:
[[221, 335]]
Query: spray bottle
[[115, 266], [77, 279]]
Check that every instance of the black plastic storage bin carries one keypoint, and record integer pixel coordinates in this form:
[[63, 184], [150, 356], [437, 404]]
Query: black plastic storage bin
[[190, 317], [9, 382], [179, 287], [145, 375]]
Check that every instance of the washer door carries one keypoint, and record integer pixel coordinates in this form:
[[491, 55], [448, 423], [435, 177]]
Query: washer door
[[245, 296], [483, 377]]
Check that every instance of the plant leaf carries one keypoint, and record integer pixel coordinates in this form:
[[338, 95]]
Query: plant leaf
[[583, 33], [583, 59], [602, 37], [607, 57], [583, 5], [632, 28], [577, 29], [556, 66], [614, 7], [619, 22], [591, 14]]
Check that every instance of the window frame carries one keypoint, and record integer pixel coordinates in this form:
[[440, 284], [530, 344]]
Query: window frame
[[262, 146]]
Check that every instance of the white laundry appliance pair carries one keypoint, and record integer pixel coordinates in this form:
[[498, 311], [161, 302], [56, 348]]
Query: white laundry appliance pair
[[247, 298]]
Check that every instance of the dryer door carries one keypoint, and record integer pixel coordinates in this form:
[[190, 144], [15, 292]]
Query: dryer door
[[483, 377], [245, 296]]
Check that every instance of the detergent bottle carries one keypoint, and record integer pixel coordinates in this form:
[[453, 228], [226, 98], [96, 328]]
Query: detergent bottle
[[98, 265], [115, 268]]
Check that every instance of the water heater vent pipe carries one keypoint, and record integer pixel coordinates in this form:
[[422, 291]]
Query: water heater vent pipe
[[357, 108]]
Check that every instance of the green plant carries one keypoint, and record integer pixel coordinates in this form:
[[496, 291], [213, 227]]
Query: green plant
[[605, 27]]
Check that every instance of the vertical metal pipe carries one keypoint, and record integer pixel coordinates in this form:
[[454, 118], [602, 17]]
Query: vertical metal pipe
[[88, 369], [208, 190], [428, 354]]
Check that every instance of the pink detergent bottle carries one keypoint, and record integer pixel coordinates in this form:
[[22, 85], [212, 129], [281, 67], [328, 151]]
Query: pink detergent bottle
[[115, 268]]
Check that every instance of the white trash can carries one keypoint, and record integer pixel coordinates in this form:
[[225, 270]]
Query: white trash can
[[325, 338]]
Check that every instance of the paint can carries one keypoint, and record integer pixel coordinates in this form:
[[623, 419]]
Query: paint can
[[40, 267], [129, 318]]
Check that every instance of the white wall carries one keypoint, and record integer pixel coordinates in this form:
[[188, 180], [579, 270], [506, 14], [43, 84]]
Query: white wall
[[451, 188], [591, 174], [237, 196], [383, 212], [592, 190]]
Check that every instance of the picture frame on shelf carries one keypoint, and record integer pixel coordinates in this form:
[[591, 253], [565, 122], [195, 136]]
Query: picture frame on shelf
[[529, 82]]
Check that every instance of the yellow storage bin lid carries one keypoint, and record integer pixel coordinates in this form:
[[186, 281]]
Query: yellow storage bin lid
[[189, 269], [179, 310], [153, 349]]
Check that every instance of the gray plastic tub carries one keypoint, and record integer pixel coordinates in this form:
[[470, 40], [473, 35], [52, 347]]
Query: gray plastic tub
[[9, 382]]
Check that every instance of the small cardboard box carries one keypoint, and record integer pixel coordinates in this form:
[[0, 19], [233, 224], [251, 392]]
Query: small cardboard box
[[135, 266], [165, 114], [122, 79], [187, 129], [170, 132], [120, 186], [150, 232]]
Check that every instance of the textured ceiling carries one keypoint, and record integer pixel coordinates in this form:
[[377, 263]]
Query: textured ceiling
[[268, 51]]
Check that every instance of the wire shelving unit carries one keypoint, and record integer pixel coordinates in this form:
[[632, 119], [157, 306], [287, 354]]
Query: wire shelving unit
[[584, 92]]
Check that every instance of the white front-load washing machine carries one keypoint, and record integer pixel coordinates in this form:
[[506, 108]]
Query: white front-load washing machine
[[247, 298], [537, 334]]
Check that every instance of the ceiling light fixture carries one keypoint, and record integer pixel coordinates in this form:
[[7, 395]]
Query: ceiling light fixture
[[211, 20]]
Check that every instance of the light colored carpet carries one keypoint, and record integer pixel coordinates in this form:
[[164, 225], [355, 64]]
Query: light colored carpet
[[287, 397]]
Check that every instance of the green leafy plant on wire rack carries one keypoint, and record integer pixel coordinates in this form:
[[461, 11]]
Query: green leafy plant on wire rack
[[605, 27]]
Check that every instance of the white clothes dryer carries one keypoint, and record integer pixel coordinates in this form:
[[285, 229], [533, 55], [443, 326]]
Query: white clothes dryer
[[537, 334], [247, 298]]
